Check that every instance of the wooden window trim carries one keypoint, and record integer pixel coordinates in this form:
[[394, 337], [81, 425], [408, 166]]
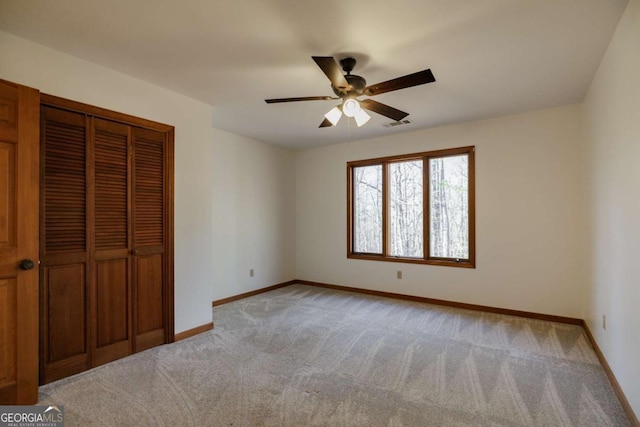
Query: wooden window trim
[[425, 156]]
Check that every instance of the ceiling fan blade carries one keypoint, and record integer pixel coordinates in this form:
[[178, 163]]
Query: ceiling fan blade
[[385, 110], [325, 124], [332, 70], [415, 79], [304, 98]]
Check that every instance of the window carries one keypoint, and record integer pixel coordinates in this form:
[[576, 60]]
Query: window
[[416, 208]]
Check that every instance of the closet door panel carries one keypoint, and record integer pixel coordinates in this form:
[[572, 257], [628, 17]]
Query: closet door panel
[[113, 303], [112, 311], [65, 316], [149, 237], [66, 311], [112, 295], [149, 302], [111, 151], [64, 241], [64, 135], [149, 188]]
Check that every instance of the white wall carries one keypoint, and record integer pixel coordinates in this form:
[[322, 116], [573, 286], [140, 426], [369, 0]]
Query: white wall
[[253, 176], [529, 215], [612, 117], [203, 158]]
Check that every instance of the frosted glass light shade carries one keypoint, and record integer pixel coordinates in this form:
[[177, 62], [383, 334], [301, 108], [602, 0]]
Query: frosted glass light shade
[[361, 117], [334, 115]]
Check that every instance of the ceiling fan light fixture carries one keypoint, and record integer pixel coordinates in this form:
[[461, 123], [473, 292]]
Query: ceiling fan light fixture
[[351, 107], [361, 117], [334, 115]]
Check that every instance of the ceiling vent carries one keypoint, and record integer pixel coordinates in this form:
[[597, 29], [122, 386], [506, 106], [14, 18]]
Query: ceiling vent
[[399, 123]]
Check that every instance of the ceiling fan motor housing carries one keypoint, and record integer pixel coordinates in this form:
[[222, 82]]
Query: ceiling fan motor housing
[[356, 86], [356, 83]]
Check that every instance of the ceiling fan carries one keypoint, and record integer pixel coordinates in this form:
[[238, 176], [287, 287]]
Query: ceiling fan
[[349, 86]]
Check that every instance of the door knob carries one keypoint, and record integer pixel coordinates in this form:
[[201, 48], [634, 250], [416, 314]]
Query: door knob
[[27, 264]]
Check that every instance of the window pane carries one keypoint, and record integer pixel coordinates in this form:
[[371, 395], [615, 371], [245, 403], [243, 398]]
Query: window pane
[[449, 203], [367, 209], [405, 209]]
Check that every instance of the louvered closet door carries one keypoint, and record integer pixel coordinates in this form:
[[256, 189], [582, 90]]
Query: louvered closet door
[[106, 237], [111, 271], [149, 156], [64, 343]]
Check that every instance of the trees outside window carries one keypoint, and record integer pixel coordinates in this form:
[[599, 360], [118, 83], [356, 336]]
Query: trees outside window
[[415, 208], [406, 197], [367, 224]]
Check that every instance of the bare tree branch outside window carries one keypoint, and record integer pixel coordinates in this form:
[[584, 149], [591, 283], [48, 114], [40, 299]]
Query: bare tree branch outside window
[[405, 203], [368, 209], [449, 222]]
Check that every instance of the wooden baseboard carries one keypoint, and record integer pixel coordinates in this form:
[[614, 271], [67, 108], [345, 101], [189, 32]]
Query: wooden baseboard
[[194, 331], [251, 293], [633, 419], [530, 315]]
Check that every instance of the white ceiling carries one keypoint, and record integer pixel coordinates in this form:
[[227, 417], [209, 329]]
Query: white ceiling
[[489, 57]]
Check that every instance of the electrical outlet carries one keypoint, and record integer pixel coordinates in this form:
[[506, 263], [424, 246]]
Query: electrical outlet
[[399, 274], [604, 321], [251, 272]]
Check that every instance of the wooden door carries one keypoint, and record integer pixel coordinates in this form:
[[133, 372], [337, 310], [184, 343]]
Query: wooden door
[[19, 169], [107, 236], [149, 223], [111, 285], [65, 270]]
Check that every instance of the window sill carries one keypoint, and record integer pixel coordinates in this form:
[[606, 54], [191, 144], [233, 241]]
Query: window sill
[[436, 261]]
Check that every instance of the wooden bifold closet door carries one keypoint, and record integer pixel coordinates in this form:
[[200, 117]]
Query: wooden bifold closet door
[[106, 240]]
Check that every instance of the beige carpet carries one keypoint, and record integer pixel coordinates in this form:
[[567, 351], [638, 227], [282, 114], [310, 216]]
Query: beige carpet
[[305, 356]]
